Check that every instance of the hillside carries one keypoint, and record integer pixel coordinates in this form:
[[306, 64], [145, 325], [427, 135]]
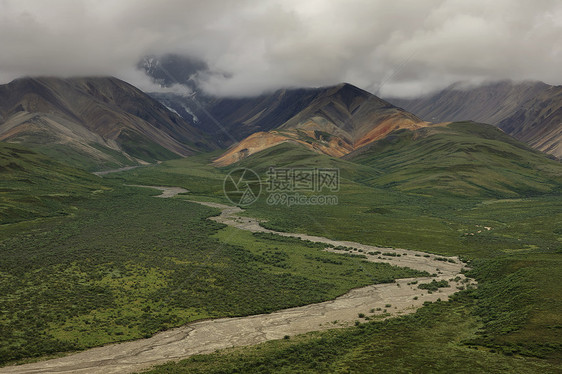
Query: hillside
[[94, 122], [538, 122], [34, 186], [529, 111], [290, 155], [336, 121], [233, 119], [465, 158]]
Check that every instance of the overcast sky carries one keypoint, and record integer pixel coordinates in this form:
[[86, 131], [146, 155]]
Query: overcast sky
[[387, 47]]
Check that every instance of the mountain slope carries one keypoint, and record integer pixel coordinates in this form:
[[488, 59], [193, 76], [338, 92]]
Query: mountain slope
[[94, 122], [467, 158], [335, 121], [290, 155], [233, 119], [529, 111], [538, 122], [33, 185], [352, 114]]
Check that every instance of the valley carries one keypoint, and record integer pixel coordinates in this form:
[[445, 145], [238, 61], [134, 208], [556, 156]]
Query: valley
[[383, 300], [98, 275], [263, 187]]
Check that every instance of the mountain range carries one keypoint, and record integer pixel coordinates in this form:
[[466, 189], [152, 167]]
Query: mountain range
[[336, 121], [94, 122], [332, 120], [79, 250], [99, 123], [529, 111]]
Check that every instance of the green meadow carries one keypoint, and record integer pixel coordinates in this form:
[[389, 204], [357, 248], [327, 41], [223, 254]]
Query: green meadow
[[125, 265], [462, 190]]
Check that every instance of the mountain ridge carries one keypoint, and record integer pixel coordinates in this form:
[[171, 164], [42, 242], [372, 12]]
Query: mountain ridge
[[462, 158], [100, 121], [333, 120], [530, 111]]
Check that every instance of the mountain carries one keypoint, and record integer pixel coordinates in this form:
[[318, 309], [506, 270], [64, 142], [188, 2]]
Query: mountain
[[466, 159], [461, 158], [330, 120], [529, 111], [337, 121], [94, 122], [538, 122], [230, 120], [34, 185]]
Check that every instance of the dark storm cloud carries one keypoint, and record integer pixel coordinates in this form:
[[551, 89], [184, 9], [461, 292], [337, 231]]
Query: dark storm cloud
[[394, 48]]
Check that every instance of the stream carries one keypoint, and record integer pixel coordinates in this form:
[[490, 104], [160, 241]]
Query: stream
[[210, 335]]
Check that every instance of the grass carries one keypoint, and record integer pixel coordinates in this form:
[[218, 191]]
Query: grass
[[444, 184], [195, 174], [504, 213], [126, 265], [143, 148], [431, 340], [519, 302], [34, 186], [487, 228], [433, 285], [511, 323], [462, 159], [71, 156], [444, 224], [492, 230], [293, 255], [511, 230]]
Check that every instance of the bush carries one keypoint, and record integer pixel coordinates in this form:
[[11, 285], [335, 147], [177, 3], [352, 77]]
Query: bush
[[433, 285]]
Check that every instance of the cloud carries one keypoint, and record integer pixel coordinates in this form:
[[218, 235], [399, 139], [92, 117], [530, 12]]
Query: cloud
[[247, 47]]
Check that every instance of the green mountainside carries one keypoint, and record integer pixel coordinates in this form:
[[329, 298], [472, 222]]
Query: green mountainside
[[94, 123], [463, 158], [33, 185], [87, 261]]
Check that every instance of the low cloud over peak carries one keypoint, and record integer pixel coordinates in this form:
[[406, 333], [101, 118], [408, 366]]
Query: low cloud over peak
[[248, 47]]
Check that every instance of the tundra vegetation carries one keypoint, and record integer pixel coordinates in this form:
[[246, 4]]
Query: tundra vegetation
[[103, 262]]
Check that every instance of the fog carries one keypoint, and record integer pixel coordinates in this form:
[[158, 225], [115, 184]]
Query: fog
[[400, 48]]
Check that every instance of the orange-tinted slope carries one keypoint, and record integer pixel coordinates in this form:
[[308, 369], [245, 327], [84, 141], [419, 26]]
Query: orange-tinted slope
[[338, 121]]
